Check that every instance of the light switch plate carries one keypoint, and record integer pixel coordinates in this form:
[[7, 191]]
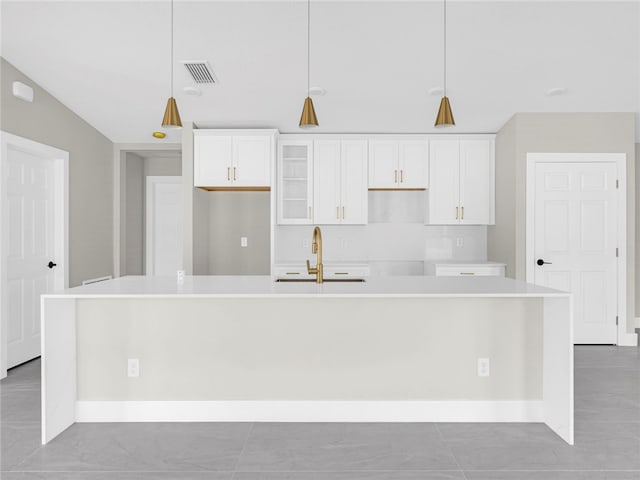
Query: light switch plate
[[243, 241], [484, 367], [133, 367]]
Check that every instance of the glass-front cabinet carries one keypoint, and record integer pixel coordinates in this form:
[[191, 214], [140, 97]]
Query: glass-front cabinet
[[295, 182]]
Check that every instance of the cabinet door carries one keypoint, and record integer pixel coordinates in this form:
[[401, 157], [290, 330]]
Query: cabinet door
[[354, 194], [383, 164], [295, 182], [326, 182], [252, 161], [413, 163], [444, 185], [476, 182], [212, 161]]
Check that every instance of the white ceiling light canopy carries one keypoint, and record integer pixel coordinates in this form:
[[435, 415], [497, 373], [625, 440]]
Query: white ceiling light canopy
[[317, 91], [194, 91], [556, 91]]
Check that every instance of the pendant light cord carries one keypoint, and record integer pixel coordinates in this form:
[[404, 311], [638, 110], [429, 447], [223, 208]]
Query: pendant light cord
[[171, 48], [445, 48], [308, 47]]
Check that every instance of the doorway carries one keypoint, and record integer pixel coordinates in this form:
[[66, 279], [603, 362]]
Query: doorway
[[34, 241], [576, 224], [163, 225]]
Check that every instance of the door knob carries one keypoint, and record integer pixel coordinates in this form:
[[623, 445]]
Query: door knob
[[51, 264], [542, 262]]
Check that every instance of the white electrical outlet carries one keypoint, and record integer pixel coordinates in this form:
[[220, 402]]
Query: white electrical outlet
[[459, 241], [305, 243], [484, 367], [133, 367], [243, 241]]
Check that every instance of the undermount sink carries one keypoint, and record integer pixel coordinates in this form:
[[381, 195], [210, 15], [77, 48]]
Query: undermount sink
[[326, 280]]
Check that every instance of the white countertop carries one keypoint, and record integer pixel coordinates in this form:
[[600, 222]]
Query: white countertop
[[265, 286]]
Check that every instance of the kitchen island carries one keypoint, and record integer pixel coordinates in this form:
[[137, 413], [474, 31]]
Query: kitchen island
[[247, 348]]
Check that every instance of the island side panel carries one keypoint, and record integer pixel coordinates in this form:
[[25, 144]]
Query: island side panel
[[558, 394], [310, 349], [58, 346]]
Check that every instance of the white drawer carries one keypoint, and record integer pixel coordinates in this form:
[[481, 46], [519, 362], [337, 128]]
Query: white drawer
[[469, 270]]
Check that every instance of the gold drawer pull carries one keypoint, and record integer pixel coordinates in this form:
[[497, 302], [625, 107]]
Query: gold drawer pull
[[293, 273], [342, 273], [467, 273]]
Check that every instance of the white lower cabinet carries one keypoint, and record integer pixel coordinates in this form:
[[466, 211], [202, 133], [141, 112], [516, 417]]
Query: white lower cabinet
[[340, 194], [461, 174]]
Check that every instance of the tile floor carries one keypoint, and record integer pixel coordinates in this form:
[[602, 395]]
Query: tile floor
[[607, 441]]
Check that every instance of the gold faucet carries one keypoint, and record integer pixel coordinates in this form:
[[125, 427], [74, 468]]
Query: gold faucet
[[316, 247]]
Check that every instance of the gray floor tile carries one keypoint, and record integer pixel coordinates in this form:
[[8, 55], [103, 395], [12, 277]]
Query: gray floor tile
[[18, 441], [398, 475], [21, 405], [338, 447], [607, 395], [604, 356], [598, 446], [24, 376], [117, 476], [141, 447], [562, 475]]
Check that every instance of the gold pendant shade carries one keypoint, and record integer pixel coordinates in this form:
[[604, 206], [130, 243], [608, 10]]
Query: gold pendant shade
[[445, 115], [171, 117], [308, 118]]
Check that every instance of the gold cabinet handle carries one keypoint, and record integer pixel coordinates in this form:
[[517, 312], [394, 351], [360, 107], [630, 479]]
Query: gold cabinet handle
[[401, 176], [338, 213], [229, 173], [234, 174], [293, 273], [343, 213], [462, 213], [342, 273], [456, 213], [309, 213], [395, 176]]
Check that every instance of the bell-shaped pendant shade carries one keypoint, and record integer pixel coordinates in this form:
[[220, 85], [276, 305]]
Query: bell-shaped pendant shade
[[308, 118], [171, 117], [445, 115]]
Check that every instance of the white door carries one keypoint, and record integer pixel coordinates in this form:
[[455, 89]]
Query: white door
[[476, 182], [326, 182], [164, 225], [252, 161], [354, 194], [33, 199], [414, 164], [444, 182], [212, 160], [575, 233], [383, 164]]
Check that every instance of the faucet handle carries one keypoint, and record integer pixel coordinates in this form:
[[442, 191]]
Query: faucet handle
[[311, 270]]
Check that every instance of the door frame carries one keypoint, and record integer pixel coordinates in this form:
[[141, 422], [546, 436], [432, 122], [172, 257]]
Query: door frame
[[620, 160], [149, 214], [61, 229]]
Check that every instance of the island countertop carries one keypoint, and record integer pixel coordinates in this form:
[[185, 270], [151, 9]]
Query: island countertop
[[265, 286]]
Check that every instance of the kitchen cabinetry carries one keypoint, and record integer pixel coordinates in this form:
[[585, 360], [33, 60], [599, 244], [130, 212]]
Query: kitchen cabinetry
[[340, 182], [295, 182], [401, 164], [461, 174], [331, 270], [233, 159]]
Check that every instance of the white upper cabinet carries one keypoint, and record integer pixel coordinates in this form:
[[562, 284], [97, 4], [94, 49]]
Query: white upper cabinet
[[228, 159], [461, 174], [340, 182], [295, 182], [398, 164]]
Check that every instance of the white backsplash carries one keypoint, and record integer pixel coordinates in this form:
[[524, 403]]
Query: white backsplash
[[395, 242]]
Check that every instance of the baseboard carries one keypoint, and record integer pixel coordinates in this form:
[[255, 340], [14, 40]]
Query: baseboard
[[628, 340], [309, 411]]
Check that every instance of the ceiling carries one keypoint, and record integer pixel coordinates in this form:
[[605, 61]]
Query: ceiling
[[109, 61]]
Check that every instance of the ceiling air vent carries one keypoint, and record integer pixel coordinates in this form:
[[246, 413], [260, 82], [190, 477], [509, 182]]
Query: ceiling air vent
[[200, 71]]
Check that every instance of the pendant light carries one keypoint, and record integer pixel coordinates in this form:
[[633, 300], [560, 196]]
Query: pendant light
[[171, 117], [308, 118], [445, 115]]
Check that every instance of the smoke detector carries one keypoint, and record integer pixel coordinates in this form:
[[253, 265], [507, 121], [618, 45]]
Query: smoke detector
[[200, 71]]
